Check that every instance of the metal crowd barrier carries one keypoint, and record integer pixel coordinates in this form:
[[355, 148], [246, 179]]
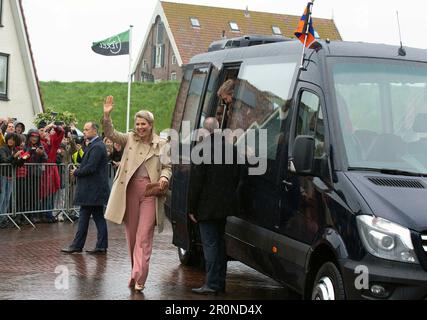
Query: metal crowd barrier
[[38, 191]]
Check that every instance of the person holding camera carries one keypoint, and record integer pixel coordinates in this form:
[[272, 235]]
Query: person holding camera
[[50, 181], [10, 155], [37, 155]]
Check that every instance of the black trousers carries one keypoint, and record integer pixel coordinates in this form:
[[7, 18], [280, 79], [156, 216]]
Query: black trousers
[[212, 236], [101, 225]]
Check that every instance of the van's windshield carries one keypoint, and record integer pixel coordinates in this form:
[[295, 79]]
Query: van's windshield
[[382, 108]]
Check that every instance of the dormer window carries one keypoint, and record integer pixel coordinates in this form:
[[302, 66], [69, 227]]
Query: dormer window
[[234, 26], [276, 31], [195, 22]]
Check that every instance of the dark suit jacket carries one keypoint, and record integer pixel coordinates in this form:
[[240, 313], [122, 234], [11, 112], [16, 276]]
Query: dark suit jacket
[[213, 187], [92, 176]]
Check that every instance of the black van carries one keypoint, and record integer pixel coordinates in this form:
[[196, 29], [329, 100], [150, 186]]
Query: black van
[[339, 211]]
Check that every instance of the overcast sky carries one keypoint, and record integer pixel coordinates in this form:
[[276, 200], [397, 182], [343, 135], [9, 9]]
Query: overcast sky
[[62, 31]]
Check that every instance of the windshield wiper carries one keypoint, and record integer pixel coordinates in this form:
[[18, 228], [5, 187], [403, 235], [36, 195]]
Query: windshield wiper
[[390, 171]]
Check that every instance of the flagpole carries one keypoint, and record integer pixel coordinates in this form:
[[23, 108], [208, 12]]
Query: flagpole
[[306, 36], [129, 78]]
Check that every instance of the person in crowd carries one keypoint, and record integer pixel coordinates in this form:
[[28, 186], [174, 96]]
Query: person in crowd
[[116, 156], [19, 127], [211, 198], [67, 161], [92, 192], [67, 148], [41, 129], [10, 127], [3, 122], [20, 131], [109, 145], [31, 186], [77, 156], [9, 156], [50, 180], [128, 202], [59, 200]]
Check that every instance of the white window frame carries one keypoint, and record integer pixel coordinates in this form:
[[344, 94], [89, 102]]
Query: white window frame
[[1, 12], [173, 76], [195, 23], [276, 30], [5, 76], [174, 61], [144, 65], [159, 54], [234, 26]]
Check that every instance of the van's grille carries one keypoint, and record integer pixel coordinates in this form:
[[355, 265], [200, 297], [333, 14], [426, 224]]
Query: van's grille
[[399, 183], [424, 241]]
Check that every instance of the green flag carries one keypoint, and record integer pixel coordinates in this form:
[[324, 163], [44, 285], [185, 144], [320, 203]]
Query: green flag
[[114, 46]]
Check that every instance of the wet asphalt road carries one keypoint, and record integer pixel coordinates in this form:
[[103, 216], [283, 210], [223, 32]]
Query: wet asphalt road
[[32, 267]]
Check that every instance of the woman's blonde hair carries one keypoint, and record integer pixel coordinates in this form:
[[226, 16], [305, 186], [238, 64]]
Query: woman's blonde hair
[[227, 88], [145, 114], [148, 116]]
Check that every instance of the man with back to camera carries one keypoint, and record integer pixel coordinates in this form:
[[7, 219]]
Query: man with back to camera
[[211, 198], [92, 192]]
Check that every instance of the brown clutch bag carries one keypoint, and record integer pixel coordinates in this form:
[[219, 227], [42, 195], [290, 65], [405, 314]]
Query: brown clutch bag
[[154, 190]]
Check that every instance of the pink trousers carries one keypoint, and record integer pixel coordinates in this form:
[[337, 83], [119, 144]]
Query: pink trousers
[[140, 220]]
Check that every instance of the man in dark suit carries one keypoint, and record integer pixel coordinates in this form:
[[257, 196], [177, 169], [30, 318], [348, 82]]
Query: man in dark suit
[[211, 198], [92, 191]]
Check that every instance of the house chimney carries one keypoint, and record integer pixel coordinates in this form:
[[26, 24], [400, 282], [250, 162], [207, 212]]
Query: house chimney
[[247, 15]]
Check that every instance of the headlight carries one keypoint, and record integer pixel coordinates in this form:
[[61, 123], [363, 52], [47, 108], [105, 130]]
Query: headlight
[[385, 239]]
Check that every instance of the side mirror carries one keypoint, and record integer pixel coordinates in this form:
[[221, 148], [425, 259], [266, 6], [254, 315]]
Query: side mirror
[[303, 156]]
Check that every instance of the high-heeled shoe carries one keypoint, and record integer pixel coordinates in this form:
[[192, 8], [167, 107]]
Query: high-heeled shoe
[[139, 287]]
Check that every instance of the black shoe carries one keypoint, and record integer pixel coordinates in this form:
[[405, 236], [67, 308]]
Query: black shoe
[[97, 251], [204, 290], [71, 250]]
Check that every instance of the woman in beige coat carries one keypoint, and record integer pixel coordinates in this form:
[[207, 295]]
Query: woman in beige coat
[[140, 165]]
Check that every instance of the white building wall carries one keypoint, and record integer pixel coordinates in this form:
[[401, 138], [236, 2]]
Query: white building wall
[[23, 101]]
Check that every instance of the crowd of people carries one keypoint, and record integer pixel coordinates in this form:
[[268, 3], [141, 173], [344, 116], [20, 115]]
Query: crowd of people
[[38, 161]]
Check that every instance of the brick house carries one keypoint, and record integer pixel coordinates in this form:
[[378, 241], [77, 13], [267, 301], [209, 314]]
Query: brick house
[[180, 31]]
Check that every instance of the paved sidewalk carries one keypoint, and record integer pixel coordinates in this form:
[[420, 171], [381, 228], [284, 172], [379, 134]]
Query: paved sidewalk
[[30, 257]]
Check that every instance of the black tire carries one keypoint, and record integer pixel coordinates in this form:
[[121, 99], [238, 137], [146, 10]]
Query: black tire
[[328, 284]]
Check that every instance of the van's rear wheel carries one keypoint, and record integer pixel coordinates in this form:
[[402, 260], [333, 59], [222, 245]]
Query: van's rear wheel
[[328, 284]]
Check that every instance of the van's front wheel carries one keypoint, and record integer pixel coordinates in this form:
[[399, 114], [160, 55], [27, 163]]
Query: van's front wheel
[[328, 284]]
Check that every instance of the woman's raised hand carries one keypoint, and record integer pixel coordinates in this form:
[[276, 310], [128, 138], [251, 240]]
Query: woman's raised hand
[[108, 105]]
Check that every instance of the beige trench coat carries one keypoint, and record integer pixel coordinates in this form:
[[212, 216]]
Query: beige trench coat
[[135, 153]]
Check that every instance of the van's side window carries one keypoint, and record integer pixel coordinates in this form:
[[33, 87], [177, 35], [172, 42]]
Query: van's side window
[[310, 121], [193, 100], [209, 96], [261, 94], [180, 100], [261, 89]]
